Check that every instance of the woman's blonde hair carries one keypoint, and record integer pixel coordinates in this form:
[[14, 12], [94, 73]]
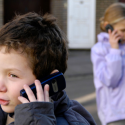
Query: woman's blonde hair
[[113, 14]]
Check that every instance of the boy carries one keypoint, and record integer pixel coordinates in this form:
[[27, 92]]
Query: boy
[[32, 47]]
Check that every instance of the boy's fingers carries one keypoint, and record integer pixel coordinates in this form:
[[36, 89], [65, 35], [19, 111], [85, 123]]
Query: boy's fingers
[[39, 89], [46, 93], [30, 94], [22, 99], [54, 71]]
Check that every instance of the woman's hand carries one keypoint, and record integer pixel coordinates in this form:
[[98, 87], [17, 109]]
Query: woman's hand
[[42, 96], [114, 37]]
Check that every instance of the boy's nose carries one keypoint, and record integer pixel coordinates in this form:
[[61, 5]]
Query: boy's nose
[[2, 87]]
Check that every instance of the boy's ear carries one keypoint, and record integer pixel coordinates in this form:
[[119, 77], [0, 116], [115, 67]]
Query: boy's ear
[[54, 71]]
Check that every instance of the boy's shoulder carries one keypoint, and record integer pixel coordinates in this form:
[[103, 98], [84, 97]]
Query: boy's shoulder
[[68, 112], [79, 114], [73, 111]]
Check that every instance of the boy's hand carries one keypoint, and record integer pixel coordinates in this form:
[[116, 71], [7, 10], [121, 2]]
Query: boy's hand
[[42, 96], [114, 37]]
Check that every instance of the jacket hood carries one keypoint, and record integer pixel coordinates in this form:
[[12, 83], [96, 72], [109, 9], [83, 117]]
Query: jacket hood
[[73, 111], [103, 37]]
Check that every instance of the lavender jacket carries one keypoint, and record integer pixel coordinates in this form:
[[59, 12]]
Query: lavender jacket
[[109, 79]]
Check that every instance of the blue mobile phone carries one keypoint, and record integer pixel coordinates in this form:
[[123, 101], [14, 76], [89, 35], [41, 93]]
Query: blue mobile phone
[[56, 82]]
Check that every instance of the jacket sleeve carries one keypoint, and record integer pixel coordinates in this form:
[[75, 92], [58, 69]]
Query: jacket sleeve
[[3, 117], [107, 68], [35, 113]]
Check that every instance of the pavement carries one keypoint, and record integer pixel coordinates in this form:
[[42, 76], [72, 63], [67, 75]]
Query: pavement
[[79, 78], [79, 63], [79, 74]]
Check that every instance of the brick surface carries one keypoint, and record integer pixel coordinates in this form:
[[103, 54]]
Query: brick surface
[[59, 10], [1, 13]]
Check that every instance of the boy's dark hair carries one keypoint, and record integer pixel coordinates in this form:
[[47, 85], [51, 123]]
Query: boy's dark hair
[[40, 39]]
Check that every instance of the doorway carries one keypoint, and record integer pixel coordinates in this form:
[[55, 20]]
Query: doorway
[[23, 6], [81, 23], [122, 1]]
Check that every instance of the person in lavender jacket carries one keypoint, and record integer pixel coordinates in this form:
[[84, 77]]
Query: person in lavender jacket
[[108, 59]]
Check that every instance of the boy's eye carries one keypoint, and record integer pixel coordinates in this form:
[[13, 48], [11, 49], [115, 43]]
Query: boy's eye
[[12, 75]]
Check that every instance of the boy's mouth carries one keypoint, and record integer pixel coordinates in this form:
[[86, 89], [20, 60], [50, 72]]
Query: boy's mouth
[[4, 102]]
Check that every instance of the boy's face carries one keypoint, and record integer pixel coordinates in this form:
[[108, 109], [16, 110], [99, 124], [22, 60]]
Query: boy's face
[[14, 73]]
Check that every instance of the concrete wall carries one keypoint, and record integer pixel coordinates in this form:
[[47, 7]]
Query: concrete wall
[[1, 13]]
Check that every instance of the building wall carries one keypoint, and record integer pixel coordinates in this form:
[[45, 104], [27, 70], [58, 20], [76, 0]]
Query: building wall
[[101, 5], [59, 10], [1, 13]]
